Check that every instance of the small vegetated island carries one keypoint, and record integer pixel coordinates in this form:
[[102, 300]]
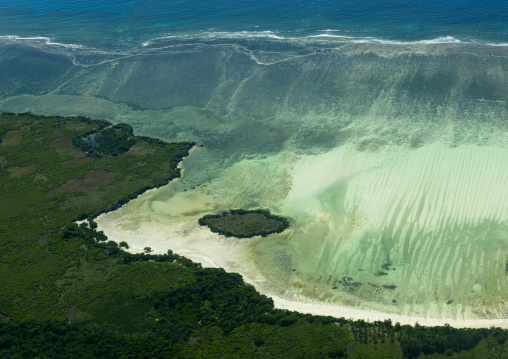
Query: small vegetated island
[[240, 223]]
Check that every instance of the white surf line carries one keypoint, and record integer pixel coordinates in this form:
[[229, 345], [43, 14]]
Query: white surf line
[[146, 52], [149, 52], [46, 40]]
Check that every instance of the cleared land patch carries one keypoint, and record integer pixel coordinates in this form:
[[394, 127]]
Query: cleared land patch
[[14, 137], [64, 147], [93, 179], [22, 171], [245, 224], [43, 239], [141, 150], [78, 160]]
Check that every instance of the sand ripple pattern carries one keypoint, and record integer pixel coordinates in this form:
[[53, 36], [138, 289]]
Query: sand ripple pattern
[[435, 217]]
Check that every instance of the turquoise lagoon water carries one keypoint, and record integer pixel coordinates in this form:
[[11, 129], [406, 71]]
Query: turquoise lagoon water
[[380, 128]]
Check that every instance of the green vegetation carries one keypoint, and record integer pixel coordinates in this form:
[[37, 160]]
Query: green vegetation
[[113, 140], [68, 292], [245, 224], [44, 268]]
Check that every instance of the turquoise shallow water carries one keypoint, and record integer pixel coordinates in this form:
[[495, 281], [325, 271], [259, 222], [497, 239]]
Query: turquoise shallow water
[[379, 128]]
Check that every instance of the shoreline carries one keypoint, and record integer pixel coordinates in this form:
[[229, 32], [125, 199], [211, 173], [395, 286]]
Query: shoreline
[[148, 191], [301, 304], [371, 316], [179, 165], [293, 302]]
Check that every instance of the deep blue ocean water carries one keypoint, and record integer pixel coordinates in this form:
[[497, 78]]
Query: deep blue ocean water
[[123, 24]]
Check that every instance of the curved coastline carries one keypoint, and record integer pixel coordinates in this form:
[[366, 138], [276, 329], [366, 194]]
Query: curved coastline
[[214, 251], [213, 257]]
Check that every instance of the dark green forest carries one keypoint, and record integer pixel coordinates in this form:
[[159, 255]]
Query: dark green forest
[[66, 291]]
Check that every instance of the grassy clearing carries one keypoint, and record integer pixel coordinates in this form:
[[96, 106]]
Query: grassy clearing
[[121, 313], [14, 137], [22, 171], [64, 147], [93, 179]]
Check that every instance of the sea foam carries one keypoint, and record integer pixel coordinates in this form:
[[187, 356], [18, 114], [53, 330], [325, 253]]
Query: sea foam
[[39, 39]]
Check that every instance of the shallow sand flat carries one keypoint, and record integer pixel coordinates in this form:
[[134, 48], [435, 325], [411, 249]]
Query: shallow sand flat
[[423, 232], [426, 212]]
